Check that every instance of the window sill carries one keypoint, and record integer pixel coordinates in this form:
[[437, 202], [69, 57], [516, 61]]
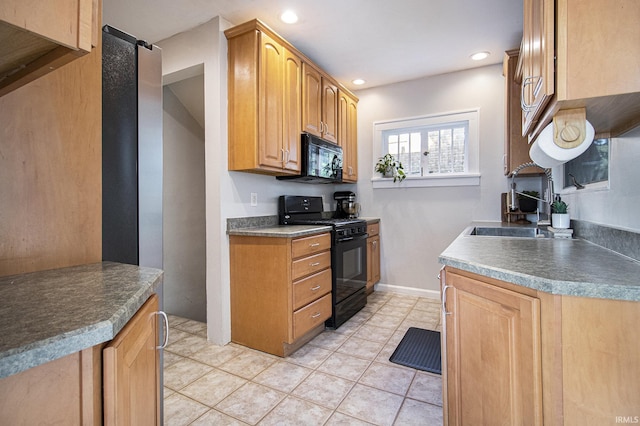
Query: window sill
[[590, 187], [461, 179]]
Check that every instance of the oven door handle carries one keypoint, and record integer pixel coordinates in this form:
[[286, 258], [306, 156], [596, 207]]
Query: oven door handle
[[359, 237]]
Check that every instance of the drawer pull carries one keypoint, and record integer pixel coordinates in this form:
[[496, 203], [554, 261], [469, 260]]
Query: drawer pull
[[314, 245], [314, 264], [316, 288], [316, 315]]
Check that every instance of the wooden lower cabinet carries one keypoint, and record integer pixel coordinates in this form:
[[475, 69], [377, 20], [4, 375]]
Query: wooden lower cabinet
[[65, 391], [131, 371], [493, 357], [280, 290], [517, 356], [113, 383], [373, 256]]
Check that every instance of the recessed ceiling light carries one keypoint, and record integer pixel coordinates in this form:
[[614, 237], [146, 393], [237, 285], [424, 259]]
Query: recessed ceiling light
[[480, 56], [289, 17], [358, 81]]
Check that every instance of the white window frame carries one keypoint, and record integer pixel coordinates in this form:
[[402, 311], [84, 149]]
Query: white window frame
[[472, 156]]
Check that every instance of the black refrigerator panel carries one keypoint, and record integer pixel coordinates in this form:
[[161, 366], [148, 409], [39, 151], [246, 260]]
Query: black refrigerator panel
[[131, 150]]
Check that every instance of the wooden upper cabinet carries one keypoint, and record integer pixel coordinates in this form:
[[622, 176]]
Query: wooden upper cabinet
[[36, 39], [271, 101], [311, 100], [292, 110], [516, 146], [319, 104], [264, 103], [579, 54], [348, 135], [275, 94], [537, 60], [329, 110]]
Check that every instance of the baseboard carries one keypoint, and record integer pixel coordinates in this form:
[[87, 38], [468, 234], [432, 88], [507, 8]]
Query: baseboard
[[411, 291]]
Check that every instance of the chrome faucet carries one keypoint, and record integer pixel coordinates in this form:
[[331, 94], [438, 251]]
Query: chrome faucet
[[548, 196]]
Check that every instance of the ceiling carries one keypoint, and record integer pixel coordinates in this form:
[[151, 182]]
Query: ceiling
[[379, 41]]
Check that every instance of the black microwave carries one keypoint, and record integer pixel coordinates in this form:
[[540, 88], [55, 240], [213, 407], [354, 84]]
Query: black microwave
[[321, 161]]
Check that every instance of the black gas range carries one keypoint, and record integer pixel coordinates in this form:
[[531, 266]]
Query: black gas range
[[348, 252]]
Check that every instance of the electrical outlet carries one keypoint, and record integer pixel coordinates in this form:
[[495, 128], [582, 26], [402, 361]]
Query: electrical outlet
[[254, 199]]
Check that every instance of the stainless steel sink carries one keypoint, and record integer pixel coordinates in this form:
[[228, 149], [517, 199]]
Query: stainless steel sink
[[507, 232]]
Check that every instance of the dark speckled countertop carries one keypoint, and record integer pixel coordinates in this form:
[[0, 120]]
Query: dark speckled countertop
[[574, 267], [50, 314]]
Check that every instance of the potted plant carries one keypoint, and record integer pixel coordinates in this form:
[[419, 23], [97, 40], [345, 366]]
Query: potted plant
[[559, 216], [389, 167], [526, 203]]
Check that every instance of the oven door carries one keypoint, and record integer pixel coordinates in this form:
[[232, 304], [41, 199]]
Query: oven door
[[349, 265]]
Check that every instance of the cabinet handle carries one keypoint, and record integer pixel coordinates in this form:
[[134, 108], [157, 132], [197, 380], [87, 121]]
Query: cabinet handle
[[282, 149], [527, 82], [314, 245], [314, 264], [350, 171], [316, 315], [375, 244], [316, 288], [444, 300], [166, 330], [287, 151], [440, 273]]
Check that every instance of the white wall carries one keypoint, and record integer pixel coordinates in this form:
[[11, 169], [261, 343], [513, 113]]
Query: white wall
[[183, 206], [417, 224], [617, 206]]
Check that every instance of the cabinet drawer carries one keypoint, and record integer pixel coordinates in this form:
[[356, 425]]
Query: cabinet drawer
[[311, 316], [309, 245], [310, 265], [373, 229], [310, 288]]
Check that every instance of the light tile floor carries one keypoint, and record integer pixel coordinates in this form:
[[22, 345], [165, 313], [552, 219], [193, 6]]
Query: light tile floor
[[342, 377]]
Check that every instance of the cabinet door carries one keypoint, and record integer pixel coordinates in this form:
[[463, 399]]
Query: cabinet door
[[131, 371], [270, 108], [538, 61], [516, 146], [348, 135], [311, 100], [329, 110], [493, 357], [292, 110]]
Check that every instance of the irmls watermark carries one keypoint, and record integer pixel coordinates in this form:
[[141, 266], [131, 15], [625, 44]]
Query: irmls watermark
[[628, 419]]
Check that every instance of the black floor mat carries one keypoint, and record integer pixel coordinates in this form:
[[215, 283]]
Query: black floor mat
[[419, 349]]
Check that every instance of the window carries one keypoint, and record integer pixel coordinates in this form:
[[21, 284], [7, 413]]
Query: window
[[435, 150], [592, 166]]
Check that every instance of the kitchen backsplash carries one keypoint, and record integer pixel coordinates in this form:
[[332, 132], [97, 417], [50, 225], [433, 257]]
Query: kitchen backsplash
[[251, 222], [618, 240]]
